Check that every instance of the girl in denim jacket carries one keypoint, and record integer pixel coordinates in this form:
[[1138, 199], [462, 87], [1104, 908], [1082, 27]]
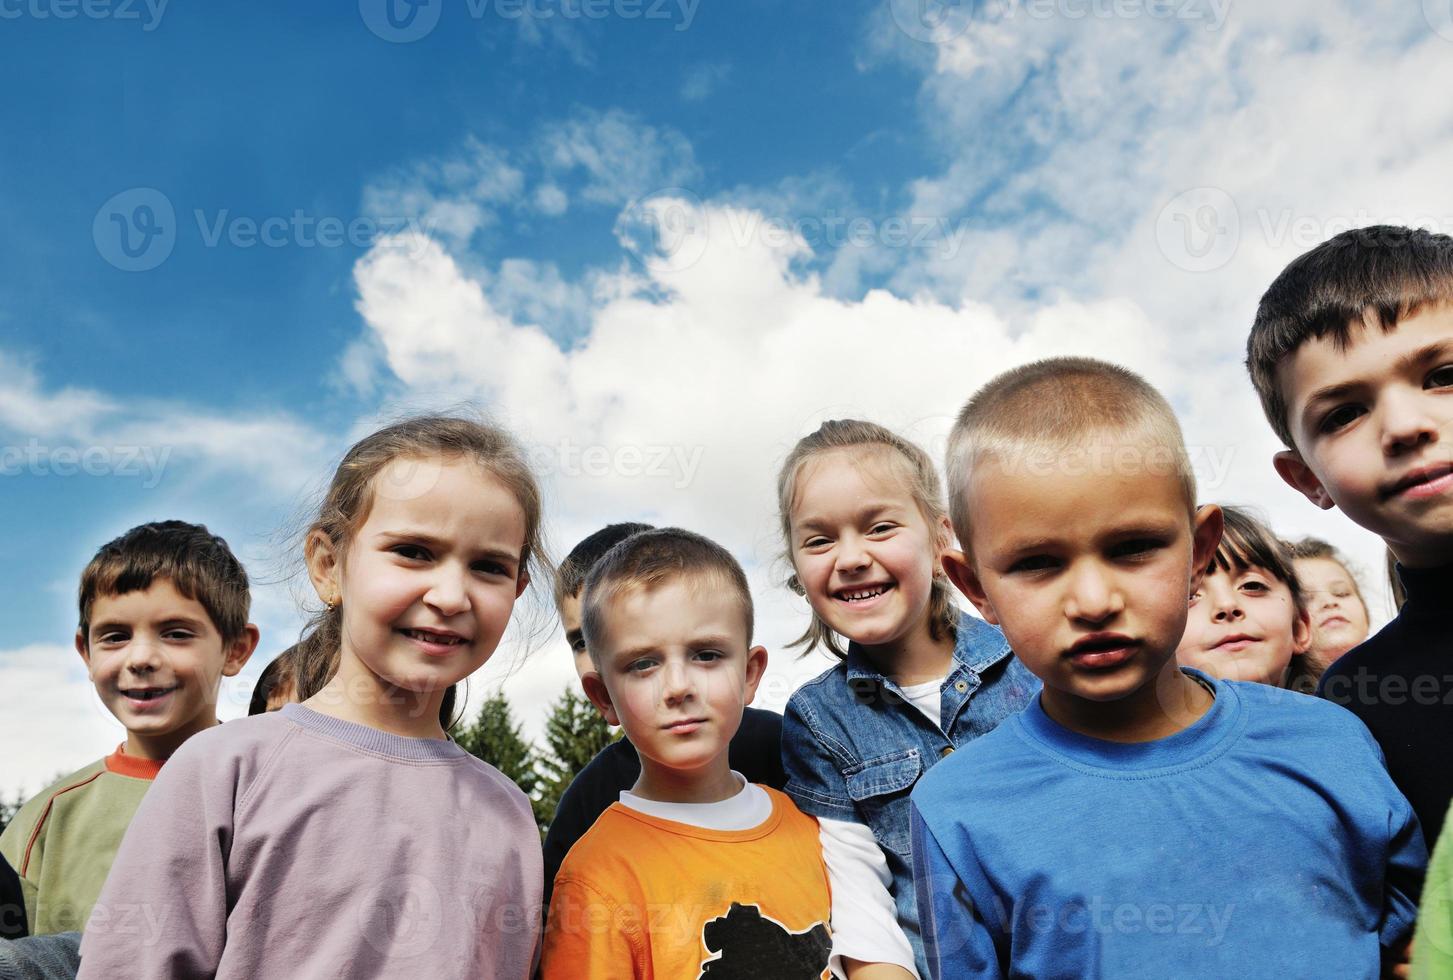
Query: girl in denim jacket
[[864, 526]]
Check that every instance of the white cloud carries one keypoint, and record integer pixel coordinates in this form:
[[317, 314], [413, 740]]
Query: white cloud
[[621, 156], [703, 81]]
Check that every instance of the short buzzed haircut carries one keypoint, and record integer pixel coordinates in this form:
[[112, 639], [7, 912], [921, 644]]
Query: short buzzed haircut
[[1040, 416], [570, 578], [649, 559], [1379, 275], [197, 562]]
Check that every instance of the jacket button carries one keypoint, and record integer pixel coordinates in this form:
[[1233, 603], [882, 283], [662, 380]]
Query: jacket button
[[961, 686], [948, 750]]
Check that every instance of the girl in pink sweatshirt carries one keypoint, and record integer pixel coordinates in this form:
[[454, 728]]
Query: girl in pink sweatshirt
[[347, 836]]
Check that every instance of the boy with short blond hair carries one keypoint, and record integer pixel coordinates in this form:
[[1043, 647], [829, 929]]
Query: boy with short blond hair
[[163, 618], [694, 871], [1138, 819], [1352, 357]]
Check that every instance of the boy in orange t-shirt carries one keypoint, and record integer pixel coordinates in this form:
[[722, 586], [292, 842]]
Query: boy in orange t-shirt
[[695, 873]]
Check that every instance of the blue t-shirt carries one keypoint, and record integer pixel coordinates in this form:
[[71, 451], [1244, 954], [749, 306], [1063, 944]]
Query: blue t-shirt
[[1265, 840]]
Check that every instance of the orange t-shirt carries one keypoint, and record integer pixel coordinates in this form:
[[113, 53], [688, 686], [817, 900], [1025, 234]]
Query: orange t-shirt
[[640, 897]]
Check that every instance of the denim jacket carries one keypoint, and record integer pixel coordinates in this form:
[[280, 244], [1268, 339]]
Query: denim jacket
[[853, 745]]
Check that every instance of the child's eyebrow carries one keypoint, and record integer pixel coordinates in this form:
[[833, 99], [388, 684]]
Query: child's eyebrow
[[869, 511], [439, 544], [1407, 362]]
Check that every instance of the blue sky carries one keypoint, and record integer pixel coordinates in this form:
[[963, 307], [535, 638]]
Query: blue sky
[[496, 176]]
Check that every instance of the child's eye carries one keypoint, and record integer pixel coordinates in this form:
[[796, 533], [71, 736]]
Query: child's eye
[[491, 568], [410, 551], [816, 541], [1195, 597], [1253, 585], [179, 634], [708, 655], [1138, 548], [639, 666], [1339, 417], [112, 636], [1034, 563], [882, 527], [1441, 377]]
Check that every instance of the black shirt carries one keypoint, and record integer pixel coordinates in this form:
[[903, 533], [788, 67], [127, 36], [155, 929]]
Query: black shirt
[[12, 903], [1400, 683], [755, 752]]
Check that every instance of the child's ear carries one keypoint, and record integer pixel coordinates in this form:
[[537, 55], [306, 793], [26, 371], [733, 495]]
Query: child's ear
[[1302, 632], [83, 650], [1299, 476], [239, 651], [1206, 529], [322, 559], [961, 573], [756, 667], [522, 581], [600, 697]]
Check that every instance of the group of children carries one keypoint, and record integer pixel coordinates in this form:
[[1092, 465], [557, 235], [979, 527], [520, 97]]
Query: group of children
[[1115, 769]]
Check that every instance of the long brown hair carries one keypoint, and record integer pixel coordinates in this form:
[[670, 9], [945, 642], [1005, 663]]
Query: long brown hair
[[920, 479], [350, 496]]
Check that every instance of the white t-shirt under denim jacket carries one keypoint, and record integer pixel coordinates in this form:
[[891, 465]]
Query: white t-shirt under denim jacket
[[854, 743]]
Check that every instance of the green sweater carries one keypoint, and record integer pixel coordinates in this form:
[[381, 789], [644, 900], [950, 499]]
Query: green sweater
[[63, 841], [1433, 943]]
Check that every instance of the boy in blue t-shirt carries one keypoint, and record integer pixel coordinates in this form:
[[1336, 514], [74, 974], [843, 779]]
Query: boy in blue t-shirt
[[1138, 819]]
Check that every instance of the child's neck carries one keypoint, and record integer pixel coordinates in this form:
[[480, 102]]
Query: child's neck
[[1171, 703], [159, 748], [916, 658], [358, 695], [712, 783]]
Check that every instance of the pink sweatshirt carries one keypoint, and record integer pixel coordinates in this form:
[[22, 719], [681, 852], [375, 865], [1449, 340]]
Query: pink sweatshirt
[[296, 845]]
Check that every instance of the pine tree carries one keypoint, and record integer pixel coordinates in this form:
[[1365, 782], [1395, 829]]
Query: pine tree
[[574, 733], [498, 740]]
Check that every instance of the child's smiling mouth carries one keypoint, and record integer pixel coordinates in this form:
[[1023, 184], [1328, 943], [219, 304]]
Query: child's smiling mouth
[[1425, 481], [862, 593], [146, 695]]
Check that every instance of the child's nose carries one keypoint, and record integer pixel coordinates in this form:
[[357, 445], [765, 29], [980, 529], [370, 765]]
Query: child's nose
[[447, 594], [144, 655], [676, 683], [1093, 596], [1406, 422], [852, 554]]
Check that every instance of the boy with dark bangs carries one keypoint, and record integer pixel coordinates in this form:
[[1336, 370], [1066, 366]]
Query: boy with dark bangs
[[1351, 355], [163, 618]]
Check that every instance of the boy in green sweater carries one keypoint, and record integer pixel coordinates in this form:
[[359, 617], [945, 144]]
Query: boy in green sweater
[[163, 618]]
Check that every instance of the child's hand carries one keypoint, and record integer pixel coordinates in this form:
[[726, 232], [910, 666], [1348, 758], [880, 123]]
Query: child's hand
[[858, 970], [1395, 963]]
